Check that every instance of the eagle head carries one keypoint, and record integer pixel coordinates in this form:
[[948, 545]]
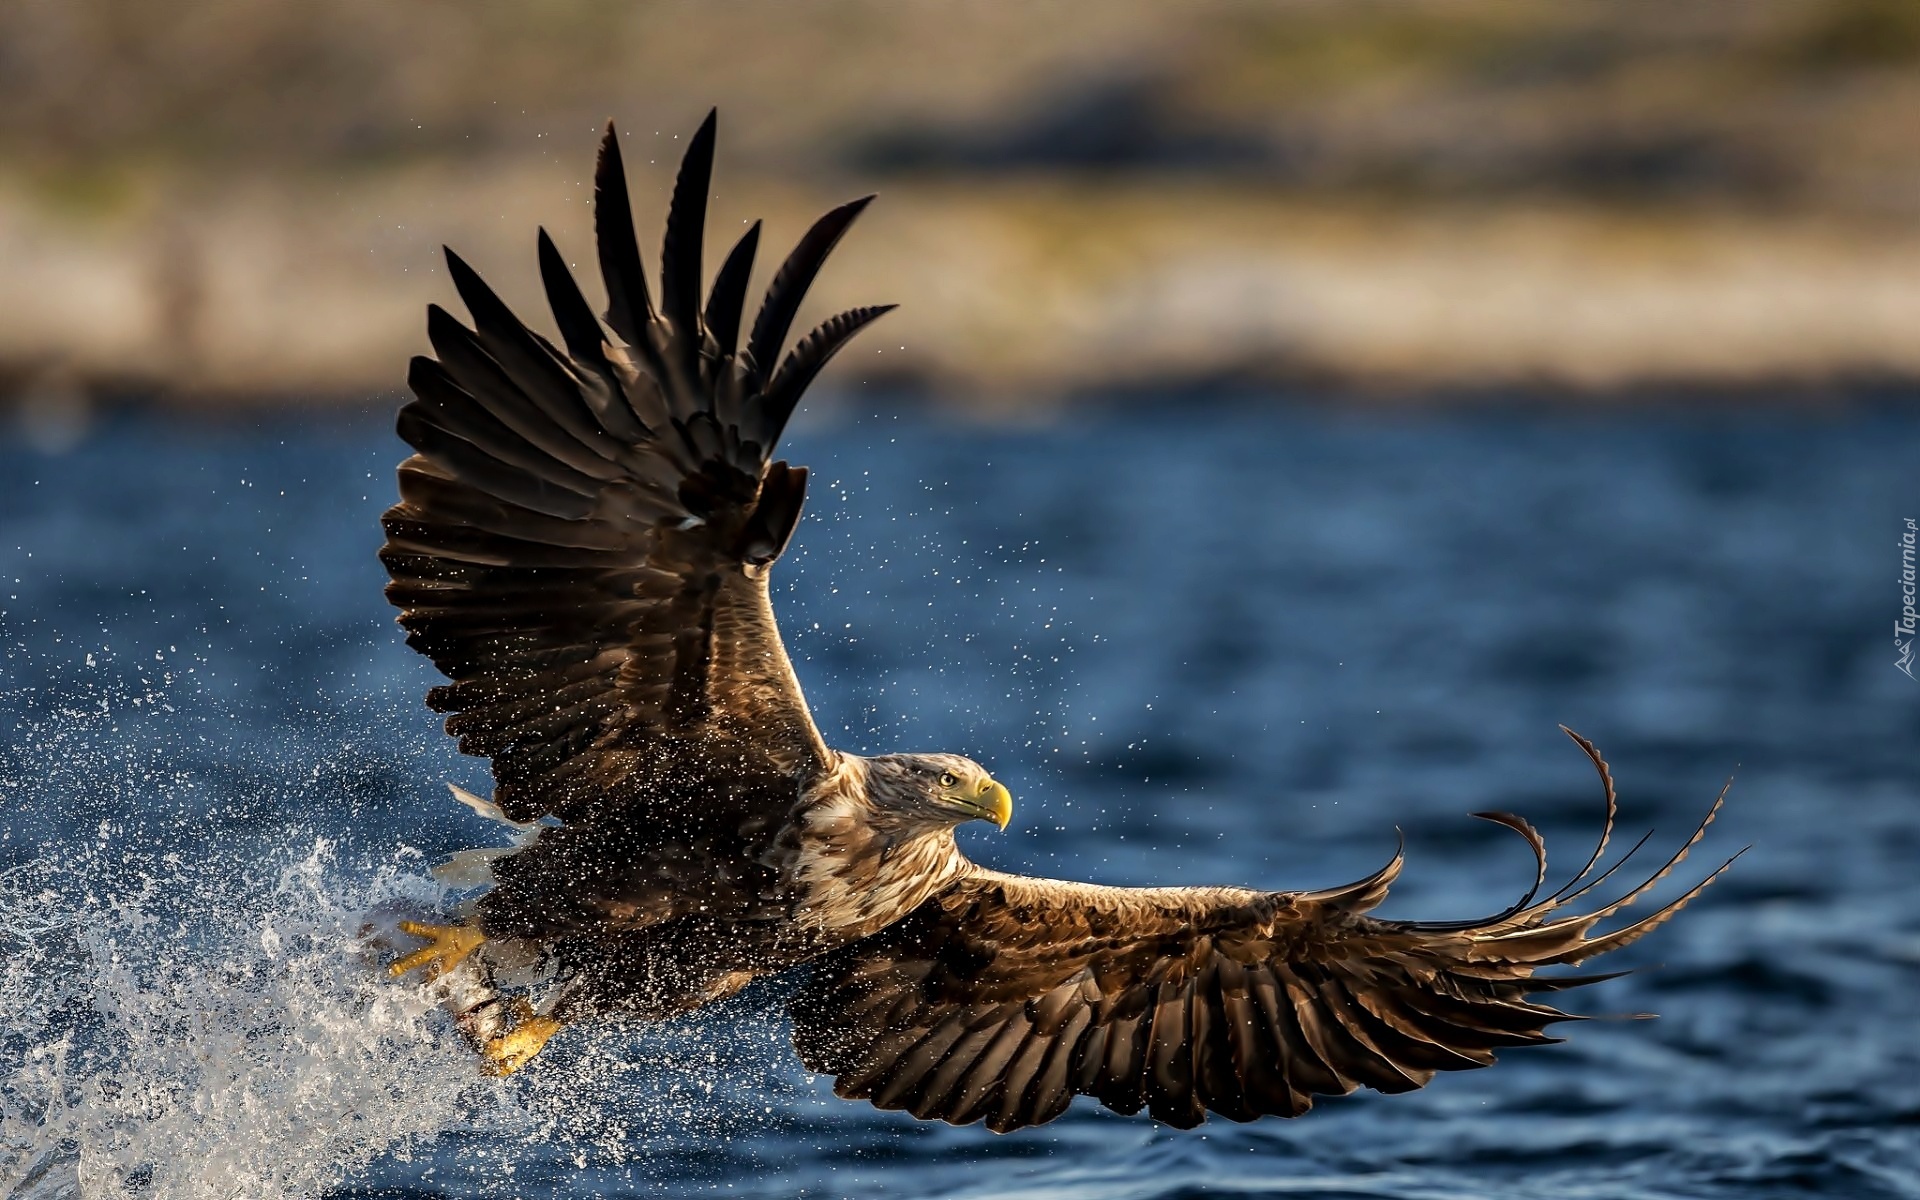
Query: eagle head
[[937, 789]]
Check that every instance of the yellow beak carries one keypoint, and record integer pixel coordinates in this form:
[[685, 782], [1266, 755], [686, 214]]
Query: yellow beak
[[996, 803]]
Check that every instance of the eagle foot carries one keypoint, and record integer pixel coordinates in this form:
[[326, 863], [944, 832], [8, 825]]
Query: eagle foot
[[516, 1047], [449, 946]]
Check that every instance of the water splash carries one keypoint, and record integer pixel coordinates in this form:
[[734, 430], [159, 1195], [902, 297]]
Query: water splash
[[192, 991], [213, 1031]]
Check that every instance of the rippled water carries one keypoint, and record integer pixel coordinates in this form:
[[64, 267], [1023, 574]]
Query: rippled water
[[1201, 644]]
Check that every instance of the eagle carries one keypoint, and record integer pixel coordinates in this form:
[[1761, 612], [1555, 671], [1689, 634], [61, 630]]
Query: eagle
[[583, 545]]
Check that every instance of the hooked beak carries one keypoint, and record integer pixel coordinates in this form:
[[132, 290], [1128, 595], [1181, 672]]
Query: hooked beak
[[996, 803]]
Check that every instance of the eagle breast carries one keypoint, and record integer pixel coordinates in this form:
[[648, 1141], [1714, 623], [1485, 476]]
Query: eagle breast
[[854, 865]]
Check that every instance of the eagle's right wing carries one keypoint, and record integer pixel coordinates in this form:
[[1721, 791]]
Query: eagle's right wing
[[584, 535], [1004, 997]]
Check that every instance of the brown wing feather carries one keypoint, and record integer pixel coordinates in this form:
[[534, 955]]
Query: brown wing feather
[[1004, 997], [582, 543]]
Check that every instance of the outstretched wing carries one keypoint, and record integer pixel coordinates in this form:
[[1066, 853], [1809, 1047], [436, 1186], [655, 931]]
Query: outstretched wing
[[1005, 997], [584, 536]]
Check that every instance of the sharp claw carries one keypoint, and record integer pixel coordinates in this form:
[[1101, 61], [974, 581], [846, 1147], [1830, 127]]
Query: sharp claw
[[419, 958], [449, 947], [516, 1048]]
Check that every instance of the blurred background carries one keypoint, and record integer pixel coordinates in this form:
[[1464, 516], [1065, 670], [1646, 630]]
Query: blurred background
[[238, 203], [1296, 409]]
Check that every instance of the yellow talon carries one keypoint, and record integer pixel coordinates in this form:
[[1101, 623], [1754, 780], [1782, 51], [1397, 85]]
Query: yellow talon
[[516, 1048], [448, 948]]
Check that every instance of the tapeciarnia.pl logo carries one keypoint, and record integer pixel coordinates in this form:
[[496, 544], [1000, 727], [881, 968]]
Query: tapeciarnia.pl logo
[[1904, 627]]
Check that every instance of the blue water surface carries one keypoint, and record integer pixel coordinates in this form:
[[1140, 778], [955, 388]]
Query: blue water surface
[[1200, 642]]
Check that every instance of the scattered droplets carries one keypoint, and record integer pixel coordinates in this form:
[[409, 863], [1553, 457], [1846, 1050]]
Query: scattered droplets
[[191, 1007], [210, 1030]]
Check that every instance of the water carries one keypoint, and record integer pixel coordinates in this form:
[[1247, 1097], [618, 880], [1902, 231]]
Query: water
[[1201, 644]]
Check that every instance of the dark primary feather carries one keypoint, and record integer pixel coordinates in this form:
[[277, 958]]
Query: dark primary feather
[[729, 295], [791, 281], [680, 251], [629, 307], [1004, 997], [585, 340], [776, 404], [583, 536]]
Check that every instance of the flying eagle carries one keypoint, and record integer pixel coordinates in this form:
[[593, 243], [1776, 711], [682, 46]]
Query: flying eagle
[[583, 546]]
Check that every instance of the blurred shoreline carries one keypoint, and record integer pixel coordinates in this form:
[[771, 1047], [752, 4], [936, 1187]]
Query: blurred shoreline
[[1013, 293], [241, 204]]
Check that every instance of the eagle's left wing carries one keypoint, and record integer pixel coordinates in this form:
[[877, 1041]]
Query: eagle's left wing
[[584, 536], [1004, 997]]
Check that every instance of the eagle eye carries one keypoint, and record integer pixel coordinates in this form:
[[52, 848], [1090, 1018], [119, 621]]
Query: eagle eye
[[947, 779]]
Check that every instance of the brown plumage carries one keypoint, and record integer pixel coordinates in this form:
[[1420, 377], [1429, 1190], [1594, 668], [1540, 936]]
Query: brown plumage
[[1002, 998], [583, 546]]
